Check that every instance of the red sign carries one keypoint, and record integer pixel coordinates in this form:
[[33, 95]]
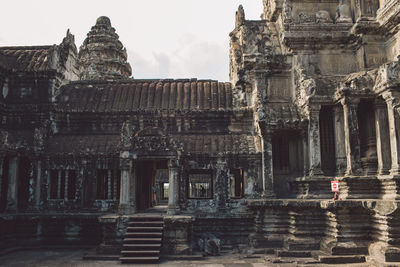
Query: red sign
[[335, 186]]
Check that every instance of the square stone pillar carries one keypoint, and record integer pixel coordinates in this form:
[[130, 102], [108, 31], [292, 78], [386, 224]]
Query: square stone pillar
[[306, 161], [267, 170], [2, 156], [391, 101], [38, 191], [314, 140], [127, 202], [351, 134], [12, 192], [340, 147], [382, 137], [173, 189]]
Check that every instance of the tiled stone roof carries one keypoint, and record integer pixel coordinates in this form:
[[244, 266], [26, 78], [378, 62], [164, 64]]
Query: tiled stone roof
[[83, 144], [25, 58], [143, 95]]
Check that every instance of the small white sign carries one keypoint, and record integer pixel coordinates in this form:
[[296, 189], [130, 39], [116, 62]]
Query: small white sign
[[335, 186]]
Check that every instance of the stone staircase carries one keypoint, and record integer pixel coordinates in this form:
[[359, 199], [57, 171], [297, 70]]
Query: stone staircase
[[143, 239]]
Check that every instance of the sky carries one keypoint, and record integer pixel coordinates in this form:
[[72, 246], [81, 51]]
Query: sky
[[163, 38]]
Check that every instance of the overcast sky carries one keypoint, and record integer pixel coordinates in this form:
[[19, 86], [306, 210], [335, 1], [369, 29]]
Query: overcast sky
[[164, 38]]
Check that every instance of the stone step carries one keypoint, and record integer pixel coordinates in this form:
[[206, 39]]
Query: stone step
[[143, 234], [142, 240], [302, 246], [293, 254], [145, 223], [147, 218], [132, 229], [140, 253], [341, 259], [139, 259], [141, 247]]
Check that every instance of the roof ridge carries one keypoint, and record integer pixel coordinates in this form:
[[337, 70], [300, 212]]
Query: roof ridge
[[33, 47], [124, 81]]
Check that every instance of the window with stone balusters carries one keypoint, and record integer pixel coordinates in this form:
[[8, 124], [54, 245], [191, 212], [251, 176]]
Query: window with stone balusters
[[108, 184], [62, 184]]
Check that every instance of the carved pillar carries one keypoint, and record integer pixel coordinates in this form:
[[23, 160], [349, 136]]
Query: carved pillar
[[268, 173], [382, 137], [173, 190], [48, 183], [109, 185], [314, 140], [306, 161], [38, 190], [59, 184], [66, 182], [115, 187], [1, 177], [391, 100], [351, 135], [127, 192], [12, 196], [340, 146]]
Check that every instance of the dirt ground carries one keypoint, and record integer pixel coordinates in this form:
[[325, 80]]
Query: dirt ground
[[53, 258]]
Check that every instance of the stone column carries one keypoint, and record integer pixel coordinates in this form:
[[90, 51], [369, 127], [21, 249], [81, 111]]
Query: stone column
[[352, 141], [115, 187], [12, 196], [59, 184], [127, 192], [38, 184], [314, 140], [382, 137], [267, 170], [340, 146], [1, 175], [66, 182], [48, 183], [109, 185], [173, 190], [391, 100]]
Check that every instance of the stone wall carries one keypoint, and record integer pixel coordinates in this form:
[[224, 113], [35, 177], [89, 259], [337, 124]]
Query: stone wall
[[28, 231]]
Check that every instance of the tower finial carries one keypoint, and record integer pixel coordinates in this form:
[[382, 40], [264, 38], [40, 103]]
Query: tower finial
[[102, 55], [240, 16]]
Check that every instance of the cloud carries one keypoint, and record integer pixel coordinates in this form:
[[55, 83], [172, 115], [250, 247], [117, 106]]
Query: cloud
[[206, 60], [163, 62], [192, 59]]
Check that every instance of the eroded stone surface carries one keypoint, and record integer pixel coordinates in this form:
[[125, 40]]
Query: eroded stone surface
[[313, 96]]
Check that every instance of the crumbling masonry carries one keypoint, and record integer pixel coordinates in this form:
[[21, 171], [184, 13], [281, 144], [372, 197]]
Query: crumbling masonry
[[314, 95]]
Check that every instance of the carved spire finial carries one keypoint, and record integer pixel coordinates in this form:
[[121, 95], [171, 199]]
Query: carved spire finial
[[102, 55], [240, 16]]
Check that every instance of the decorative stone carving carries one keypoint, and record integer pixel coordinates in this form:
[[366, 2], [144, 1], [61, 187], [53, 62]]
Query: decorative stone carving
[[306, 18], [323, 16], [287, 12], [388, 76], [343, 12]]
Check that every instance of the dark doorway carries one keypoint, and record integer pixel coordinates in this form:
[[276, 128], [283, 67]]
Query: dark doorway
[[327, 139], [145, 171], [23, 183], [367, 135]]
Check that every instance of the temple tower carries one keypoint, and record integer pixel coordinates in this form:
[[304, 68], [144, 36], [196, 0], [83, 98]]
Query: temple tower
[[102, 55]]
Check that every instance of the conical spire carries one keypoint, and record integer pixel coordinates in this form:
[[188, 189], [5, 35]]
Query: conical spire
[[102, 55]]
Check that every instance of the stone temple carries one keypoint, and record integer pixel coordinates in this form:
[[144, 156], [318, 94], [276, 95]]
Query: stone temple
[[90, 155]]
